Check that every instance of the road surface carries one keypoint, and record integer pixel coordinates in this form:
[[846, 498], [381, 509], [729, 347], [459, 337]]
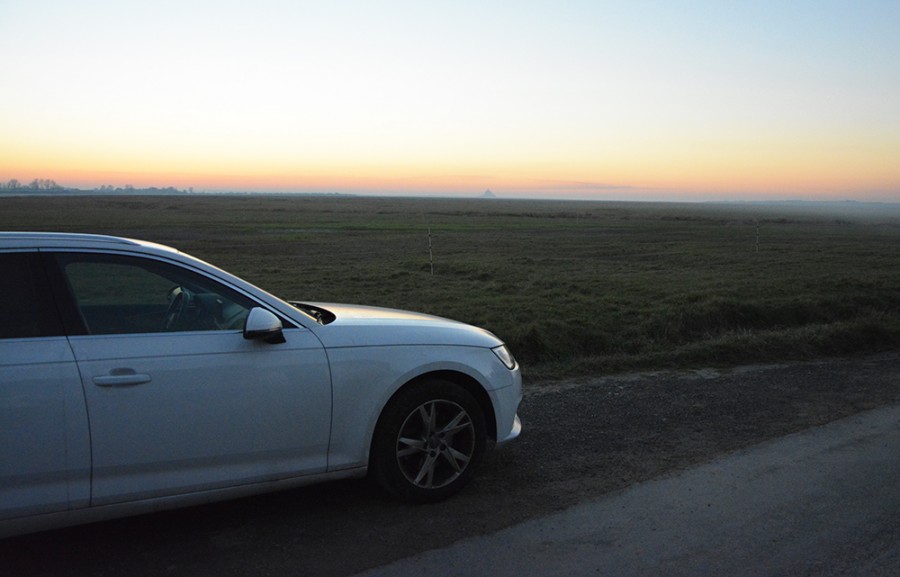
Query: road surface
[[822, 502]]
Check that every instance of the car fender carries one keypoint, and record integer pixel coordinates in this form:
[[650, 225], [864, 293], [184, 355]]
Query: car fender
[[365, 378]]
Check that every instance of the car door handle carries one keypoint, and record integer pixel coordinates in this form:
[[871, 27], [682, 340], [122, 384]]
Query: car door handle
[[121, 378]]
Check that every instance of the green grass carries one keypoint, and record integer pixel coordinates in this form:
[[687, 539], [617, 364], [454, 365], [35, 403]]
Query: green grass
[[574, 288]]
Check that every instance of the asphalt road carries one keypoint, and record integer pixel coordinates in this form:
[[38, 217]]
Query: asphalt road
[[823, 502]]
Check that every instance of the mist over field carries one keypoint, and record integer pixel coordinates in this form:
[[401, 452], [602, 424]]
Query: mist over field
[[572, 287]]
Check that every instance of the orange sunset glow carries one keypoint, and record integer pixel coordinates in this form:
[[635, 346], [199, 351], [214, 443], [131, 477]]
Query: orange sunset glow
[[649, 100]]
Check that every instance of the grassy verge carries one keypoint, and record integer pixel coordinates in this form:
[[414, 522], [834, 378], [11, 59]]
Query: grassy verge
[[574, 288]]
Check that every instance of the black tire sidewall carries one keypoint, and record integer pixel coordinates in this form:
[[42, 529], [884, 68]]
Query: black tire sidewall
[[383, 459]]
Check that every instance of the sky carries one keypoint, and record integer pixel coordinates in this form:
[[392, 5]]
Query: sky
[[637, 100]]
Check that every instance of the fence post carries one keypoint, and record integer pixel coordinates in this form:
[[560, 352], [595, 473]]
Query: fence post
[[757, 235], [430, 252]]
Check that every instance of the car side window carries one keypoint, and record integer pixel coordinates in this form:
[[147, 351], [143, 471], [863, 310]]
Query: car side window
[[26, 305], [119, 294]]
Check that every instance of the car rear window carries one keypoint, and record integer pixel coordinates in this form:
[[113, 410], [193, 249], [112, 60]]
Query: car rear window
[[26, 306]]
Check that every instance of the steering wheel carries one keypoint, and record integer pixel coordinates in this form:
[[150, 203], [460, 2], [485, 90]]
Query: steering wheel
[[178, 298]]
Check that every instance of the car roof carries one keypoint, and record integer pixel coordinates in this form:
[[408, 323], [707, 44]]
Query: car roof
[[72, 240]]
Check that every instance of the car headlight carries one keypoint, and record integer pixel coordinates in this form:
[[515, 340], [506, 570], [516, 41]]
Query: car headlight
[[505, 356]]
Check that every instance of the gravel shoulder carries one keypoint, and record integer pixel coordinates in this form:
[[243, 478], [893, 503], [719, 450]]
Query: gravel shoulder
[[582, 438]]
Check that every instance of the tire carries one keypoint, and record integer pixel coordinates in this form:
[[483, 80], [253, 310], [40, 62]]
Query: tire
[[428, 442]]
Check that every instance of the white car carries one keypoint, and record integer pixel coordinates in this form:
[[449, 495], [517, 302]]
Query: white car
[[136, 378]]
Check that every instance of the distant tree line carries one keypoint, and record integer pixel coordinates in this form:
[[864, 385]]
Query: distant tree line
[[128, 189], [43, 184], [47, 186]]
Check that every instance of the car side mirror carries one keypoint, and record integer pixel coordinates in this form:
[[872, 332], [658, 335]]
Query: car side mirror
[[261, 325]]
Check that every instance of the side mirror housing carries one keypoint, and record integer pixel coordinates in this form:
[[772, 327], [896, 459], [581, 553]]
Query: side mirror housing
[[261, 325]]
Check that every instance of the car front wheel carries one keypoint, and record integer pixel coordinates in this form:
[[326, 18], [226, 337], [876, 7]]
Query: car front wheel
[[428, 442]]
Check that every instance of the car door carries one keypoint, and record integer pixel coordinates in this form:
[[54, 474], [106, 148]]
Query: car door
[[178, 400], [44, 441]]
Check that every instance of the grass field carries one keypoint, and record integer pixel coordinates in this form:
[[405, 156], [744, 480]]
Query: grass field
[[573, 287]]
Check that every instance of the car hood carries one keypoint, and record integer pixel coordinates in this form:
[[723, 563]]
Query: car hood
[[357, 325]]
